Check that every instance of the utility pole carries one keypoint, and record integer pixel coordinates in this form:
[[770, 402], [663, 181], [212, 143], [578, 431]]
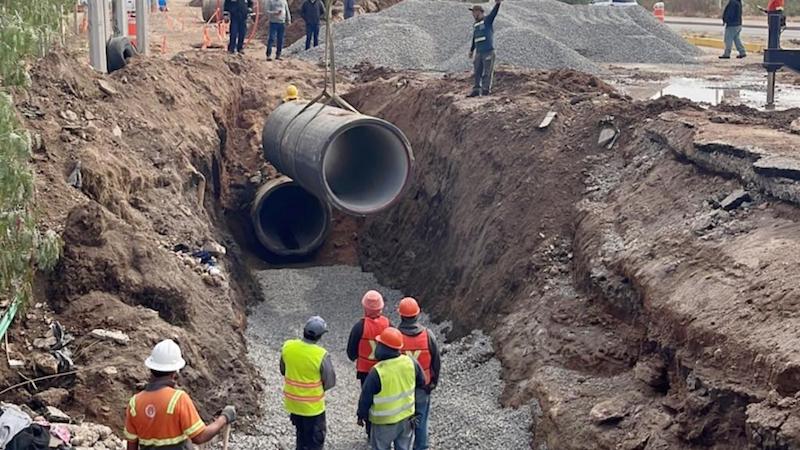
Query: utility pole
[[97, 35], [142, 19]]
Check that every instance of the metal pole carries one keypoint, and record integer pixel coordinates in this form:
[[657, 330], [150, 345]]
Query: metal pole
[[120, 18], [770, 90], [97, 36], [142, 19]]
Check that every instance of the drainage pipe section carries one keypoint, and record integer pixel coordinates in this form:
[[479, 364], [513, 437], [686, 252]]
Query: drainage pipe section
[[357, 163], [288, 220]]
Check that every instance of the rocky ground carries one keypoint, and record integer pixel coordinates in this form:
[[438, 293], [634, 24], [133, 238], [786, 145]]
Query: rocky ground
[[465, 409]]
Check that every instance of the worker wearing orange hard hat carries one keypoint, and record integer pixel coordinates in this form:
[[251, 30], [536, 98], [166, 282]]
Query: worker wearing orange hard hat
[[419, 343], [362, 344], [388, 394]]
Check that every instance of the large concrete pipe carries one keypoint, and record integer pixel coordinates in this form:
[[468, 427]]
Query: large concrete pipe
[[288, 220], [360, 164]]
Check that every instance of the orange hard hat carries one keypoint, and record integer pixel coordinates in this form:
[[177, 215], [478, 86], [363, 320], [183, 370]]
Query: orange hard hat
[[392, 338], [408, 307]]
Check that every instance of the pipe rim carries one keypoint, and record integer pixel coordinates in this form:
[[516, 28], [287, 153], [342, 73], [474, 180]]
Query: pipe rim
[[255, 217], [363, 120]]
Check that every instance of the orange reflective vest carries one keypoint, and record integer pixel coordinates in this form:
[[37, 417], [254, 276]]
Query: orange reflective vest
[[367, 345], [417, 348], [162, 418], [775, 5]]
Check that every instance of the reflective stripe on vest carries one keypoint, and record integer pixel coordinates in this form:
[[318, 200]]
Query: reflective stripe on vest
[[417, 348], [395, 401], [367, 345], [302, 385]]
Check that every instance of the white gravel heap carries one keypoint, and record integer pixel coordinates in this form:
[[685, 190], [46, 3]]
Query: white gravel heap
[[537, 34], [465, 413]]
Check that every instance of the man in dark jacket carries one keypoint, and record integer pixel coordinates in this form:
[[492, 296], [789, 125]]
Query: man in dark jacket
[[238, 11], [482, 50], [312, 11], [387, 396], [732, 18]]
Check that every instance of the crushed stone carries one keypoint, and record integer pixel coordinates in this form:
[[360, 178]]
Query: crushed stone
[[465, 411], [536, 34]]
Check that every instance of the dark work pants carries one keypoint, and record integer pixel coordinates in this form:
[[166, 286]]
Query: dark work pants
[[361, 378], [484, 73], [238, 33], [310, 431], [312, 32], [276, 31]]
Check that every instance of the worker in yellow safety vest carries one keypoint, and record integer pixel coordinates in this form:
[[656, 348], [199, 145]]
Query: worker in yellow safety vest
[[387, 395], [162, 417], [307, 372]]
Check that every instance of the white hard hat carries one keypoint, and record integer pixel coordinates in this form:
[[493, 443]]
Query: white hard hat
[[166, 357]]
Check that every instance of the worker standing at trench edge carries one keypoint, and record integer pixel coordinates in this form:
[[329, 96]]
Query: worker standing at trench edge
[[312, 11], [162, 417], [308, 372], [732, 18], [419, 344], [387, 396], [482, 50], [279, 18], [362, 344], [237, 11]]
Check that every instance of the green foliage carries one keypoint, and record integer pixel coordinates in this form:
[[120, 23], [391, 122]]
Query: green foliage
[[26, 30]]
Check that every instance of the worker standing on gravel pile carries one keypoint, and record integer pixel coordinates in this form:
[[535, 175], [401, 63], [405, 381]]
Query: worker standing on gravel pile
[[312, 11], [732, 18], [362, 343], [279, 18], [238, 11], [308, 372], [482, 50], [387, 396], [419, 343], [163, 417]]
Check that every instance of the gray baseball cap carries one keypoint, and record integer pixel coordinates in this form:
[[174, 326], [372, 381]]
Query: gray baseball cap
[[315, 326]]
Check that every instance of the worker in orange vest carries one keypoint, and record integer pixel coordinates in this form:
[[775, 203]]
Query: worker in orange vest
[[162, 416], [362, 343], [419, 344]]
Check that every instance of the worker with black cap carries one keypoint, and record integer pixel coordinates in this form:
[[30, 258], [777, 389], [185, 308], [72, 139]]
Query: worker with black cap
[[482, 50], [308, 372]]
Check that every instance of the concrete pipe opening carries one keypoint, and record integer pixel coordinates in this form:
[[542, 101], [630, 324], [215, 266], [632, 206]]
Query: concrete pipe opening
[[365, 168], [288, 220], [357, 163]]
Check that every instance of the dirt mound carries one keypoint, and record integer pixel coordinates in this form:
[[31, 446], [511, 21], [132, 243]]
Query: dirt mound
[[149, 183], [625, 302]]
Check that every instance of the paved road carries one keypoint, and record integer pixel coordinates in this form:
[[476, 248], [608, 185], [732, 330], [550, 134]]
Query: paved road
[[754, 30]]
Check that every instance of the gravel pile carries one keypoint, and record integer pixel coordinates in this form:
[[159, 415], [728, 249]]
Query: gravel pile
[[465, 412], [537, 34]]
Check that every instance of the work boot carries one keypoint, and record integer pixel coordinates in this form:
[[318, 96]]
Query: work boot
[[485, 93], [474, 94], [724, 57], [741, 55]]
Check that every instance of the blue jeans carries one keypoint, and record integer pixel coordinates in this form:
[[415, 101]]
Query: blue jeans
[[312, 31], [400, 434], [422, 407], [276, 31], [732, 37], [238, 33]]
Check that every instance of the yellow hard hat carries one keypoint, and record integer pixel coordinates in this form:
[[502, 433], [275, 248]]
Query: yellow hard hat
[[291, 93]]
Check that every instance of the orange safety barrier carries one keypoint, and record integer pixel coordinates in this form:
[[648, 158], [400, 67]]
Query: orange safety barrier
[[658, 11]]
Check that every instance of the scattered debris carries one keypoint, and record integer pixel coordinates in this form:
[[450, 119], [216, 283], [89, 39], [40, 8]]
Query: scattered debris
[[116, 131], [106, 87], [52, 397], [69, 115], [547, 119], [54, 414], [46, 363], [214, 249], [75, 178], [608, 132], [112, 335], [734, 200], [609, 411]]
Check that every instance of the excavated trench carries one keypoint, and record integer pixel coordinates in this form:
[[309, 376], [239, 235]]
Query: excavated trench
[[569, 255]]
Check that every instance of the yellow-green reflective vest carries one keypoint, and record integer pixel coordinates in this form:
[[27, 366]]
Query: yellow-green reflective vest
[[302, 384], [395, 401]]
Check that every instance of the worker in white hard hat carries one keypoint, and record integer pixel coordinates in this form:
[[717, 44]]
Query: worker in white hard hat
[[162, 417], [308, 372]]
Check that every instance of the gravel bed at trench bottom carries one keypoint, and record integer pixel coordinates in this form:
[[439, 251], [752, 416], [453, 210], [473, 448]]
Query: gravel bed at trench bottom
[[465, 411]]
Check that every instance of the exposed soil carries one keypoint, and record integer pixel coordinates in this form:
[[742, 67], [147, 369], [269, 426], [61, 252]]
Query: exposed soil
[[165, 159], [633, 310]]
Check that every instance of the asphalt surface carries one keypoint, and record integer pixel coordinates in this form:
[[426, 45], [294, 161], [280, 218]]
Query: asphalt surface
[[752, 30], [465, 413]]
